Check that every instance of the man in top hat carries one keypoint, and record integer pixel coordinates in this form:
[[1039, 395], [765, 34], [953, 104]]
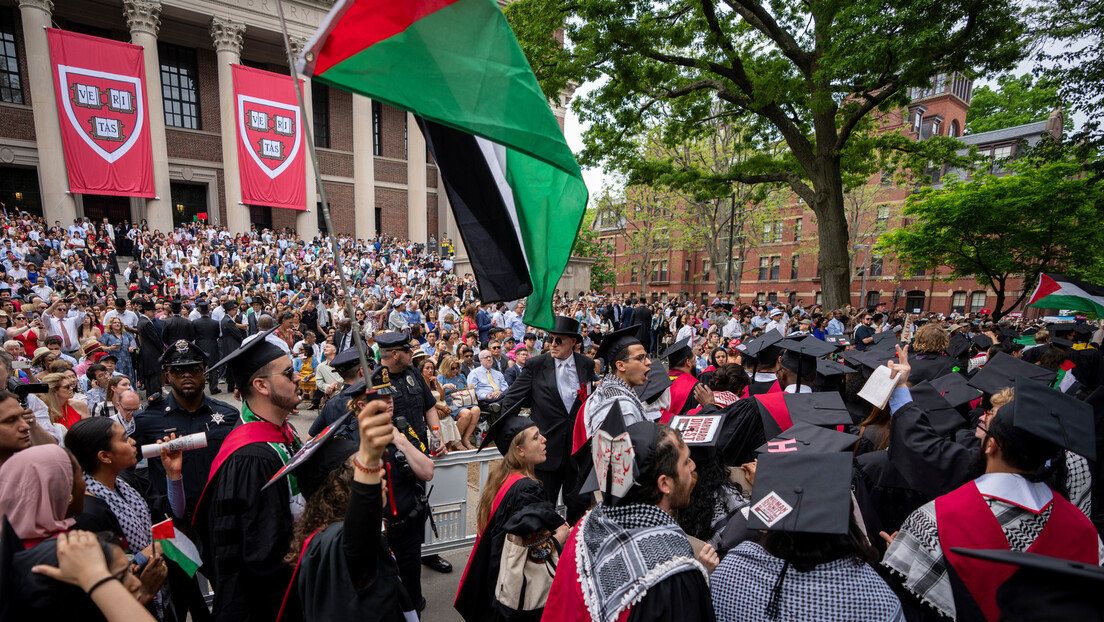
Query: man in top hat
[[555, 385], [233, 329], [177, 327], [1006, 508], [207, 338], [246, 530], [150, 349], [627, 366], [680, 357], [629, 555]]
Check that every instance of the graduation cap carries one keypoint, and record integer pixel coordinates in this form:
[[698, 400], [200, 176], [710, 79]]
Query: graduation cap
[[505, 428], [867, 361], [958, 346], [1083, 329], [832, 369], [1061, 327], [1065, 344], [1044, 587], [1001, 372], [678, 352], [253, 354], [942, 416], [1053, 416], [802, 492], [983, 342], [312, 448], [800, 355], [615, 342], [657, 382], [808, 438], [955, 389], [840, 341], [823, 409], [621, 456], [763, 347], [886, 340], [701, 433]]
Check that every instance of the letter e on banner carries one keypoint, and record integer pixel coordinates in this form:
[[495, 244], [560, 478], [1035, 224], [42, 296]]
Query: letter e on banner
[[271, 148]]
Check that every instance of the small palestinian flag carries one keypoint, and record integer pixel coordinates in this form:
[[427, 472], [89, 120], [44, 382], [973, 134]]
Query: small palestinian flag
[[1063, 293], [516, 190], [177, 547]]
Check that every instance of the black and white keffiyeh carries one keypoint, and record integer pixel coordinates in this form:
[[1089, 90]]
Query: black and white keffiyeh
[[129, 508], [612, 389], [1079, 482], [623, 551]]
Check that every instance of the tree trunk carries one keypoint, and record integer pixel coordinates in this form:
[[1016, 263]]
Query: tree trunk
[[833, 256]]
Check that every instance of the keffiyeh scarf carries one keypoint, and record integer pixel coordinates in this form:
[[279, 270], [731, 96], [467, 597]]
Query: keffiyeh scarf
[[623, 551], [128, 507]]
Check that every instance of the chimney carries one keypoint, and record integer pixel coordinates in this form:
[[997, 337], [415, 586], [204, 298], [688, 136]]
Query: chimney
[[1054, 124]]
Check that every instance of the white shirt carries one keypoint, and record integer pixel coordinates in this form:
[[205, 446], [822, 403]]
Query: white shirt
[[567, 381], [66, 328]]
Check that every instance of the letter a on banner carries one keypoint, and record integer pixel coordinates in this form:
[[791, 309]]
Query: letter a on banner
[[271, 158], [101, 100]]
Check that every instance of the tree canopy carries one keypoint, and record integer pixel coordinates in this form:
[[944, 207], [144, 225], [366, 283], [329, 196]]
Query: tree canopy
[[815, 76], [1043, 217], [1015, 101]]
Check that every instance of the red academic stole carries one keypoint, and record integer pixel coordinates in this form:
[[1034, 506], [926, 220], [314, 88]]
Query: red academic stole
[[245, 434], [511, 479], [295, 574], [682, 384], [775, 403], [965, 520]]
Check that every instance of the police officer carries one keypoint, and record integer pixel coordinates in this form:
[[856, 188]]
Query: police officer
[[416, 415], [347, 365], [185, 410]]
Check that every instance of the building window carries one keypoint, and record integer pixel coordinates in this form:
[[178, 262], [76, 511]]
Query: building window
[[760, 298], [663, 271], [406, 137], [655, 272], [322, 228], [819, 300], [792, 299], [776, 263], [958, 302], [940, 83], [954, 131], [689, 269], [793, 267], [772, 298], [778, 231], [977, 301], [872, 299], [320, 112], [766, 232], [914, 301], [377, 130], [1000, 158], [705, 270], [179, 85], [11, 83], [797, 230], [764, 268], [875, 267], [883, 217], [633, 275]]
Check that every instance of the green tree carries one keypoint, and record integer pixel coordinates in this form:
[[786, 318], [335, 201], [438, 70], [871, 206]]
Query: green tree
[[812, 75], [1075, 60], [1015, 101], [1043, 217], [588, 244]]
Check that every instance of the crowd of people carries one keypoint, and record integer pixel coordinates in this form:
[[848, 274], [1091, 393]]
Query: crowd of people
[[714, 461]]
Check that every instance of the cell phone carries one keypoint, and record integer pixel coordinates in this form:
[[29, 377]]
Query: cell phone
[[21, 364]]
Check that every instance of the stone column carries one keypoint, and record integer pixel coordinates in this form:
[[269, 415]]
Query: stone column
[[144, 20], [364, 168], [57, 202], [417, 220], [227, 37], [306, 223]]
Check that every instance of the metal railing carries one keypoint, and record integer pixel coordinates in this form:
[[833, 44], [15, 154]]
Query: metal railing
[[453, 502]]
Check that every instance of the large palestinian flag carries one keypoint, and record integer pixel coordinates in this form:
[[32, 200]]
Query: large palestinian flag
[[1061, 292], [515, 187]]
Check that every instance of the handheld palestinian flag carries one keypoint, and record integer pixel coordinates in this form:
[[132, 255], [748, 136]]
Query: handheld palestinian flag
[[177, 547], [516, 190], [1061, 292]]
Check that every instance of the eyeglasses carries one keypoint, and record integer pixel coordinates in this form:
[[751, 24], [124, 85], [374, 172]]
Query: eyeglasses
[[288, 373], [639, 357], [181, 370]]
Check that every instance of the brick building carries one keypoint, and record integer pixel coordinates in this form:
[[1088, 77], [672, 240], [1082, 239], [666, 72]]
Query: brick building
[[782, 262], [374, 166]]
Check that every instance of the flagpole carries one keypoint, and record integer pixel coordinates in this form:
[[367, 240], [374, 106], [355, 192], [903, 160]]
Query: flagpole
[[358, 342]]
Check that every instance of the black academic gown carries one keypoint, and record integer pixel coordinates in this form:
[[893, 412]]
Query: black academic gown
[[928, 366], [30, 596], [246, 533], [741, 431], [475, 598]]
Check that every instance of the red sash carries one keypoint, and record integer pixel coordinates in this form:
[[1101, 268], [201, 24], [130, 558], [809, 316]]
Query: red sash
[[682, 386], [511, 479], [775, 403], [244, 434], [295, 575], [965, 520]]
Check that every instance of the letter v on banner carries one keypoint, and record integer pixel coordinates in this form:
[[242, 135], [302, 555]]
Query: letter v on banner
[[271, 147], [101, 100]]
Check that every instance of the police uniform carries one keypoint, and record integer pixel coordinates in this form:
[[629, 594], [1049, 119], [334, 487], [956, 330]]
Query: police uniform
[[165, 416], [335, 407], [407, 515]]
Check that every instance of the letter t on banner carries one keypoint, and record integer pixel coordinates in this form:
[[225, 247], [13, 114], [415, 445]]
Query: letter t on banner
[[271, 148]]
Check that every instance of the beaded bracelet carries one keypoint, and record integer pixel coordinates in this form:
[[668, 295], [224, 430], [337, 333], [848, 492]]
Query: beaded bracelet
[[101, 582], [363, 469]]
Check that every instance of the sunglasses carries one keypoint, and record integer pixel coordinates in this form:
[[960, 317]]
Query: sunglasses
[[288, 373], [193, 370], [558, 340], [70, 387]]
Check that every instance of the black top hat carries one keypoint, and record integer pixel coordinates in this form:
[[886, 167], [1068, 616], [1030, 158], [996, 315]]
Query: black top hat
[[566, 326], [254, 353]]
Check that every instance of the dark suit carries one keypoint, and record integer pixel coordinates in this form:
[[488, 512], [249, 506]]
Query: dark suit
[[175, 328], [150, 349], [626, 317], [231, 340], [537, 388], [642, 317], [207, 338]]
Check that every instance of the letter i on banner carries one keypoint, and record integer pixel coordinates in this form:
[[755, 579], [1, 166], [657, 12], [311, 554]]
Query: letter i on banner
[[271, 148], [101, 100]]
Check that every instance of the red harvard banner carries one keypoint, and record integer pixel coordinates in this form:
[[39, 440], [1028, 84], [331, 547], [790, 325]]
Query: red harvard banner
[[101, 98], [270, 139]]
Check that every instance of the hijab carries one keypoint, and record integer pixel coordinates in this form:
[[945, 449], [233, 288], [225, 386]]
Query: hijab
[[35, 487]]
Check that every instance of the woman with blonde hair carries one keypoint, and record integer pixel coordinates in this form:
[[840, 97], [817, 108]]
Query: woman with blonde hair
[[64, 409], [451, 380]]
